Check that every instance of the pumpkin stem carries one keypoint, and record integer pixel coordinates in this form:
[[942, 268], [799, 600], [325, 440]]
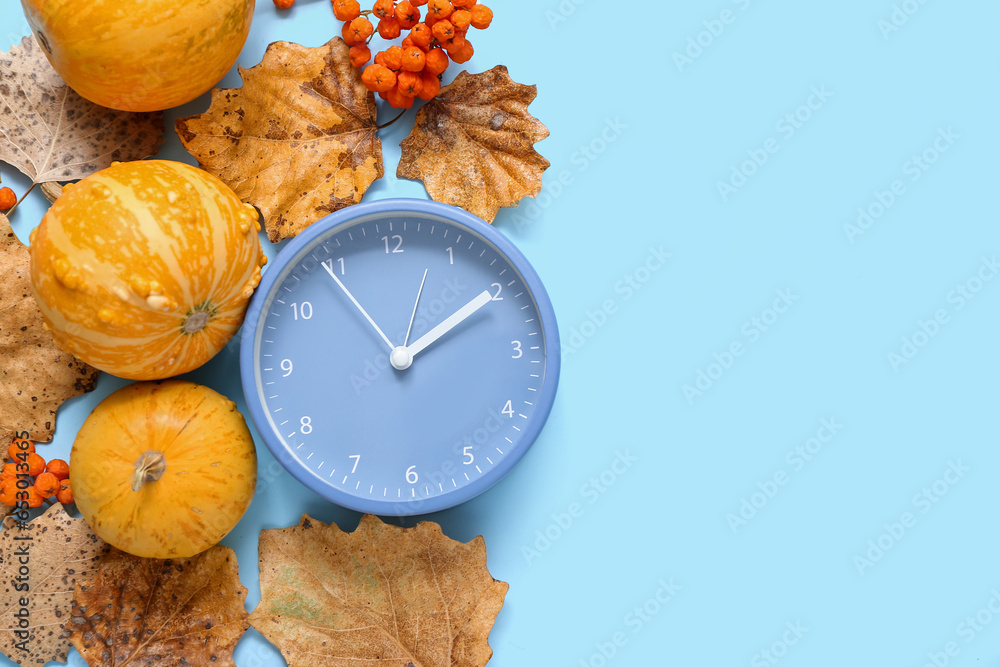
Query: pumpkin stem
[[149, 468], [196, 322]]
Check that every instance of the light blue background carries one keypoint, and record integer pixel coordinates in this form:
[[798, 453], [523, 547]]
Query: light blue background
[[638, 145]]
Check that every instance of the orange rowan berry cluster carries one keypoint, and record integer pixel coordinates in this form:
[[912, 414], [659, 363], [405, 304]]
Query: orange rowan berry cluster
[[413, 69], [28, 479]]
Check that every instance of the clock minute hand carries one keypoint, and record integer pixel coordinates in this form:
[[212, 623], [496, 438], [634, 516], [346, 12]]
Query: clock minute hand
[[329, 269], [450, 322]]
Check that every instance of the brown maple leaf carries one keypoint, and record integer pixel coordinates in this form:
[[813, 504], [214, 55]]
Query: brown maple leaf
[[40, 563], [50, 133], [473, 144], [144, 611], [35, 375], [381, 595], [298, 140]]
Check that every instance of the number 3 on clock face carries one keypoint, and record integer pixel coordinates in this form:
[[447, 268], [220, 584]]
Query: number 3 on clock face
[[399, 357]]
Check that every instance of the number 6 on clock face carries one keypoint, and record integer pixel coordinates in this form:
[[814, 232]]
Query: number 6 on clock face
[[399, 357]]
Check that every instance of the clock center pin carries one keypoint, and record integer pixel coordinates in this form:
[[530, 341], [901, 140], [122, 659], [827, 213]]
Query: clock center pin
[[400, 358]]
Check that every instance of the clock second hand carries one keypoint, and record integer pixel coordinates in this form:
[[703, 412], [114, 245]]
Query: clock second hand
[[414, 314], [402, 356], [329, 269]]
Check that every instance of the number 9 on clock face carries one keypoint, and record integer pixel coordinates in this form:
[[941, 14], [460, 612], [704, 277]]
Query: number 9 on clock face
[[399, 357]]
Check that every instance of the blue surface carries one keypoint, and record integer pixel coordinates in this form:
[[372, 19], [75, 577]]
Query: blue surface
[[616, 532], [436, 431]]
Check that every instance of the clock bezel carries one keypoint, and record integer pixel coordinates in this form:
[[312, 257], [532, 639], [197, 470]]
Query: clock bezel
[[289, 257]]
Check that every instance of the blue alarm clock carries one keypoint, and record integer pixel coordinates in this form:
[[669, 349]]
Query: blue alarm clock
[[399, 357]]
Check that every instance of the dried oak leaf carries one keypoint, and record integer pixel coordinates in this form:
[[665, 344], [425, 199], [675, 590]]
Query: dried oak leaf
[[35, 375], [40, 563], [382, 595], [298, 140], [52, 134], [144, 611], [473, 144]]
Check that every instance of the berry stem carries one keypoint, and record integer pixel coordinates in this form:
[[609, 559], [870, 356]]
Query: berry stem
[[10, 211], [385, 125]]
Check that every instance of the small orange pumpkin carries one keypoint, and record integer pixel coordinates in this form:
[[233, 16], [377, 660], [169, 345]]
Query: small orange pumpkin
[[144, 269], [164, 469], [140, 56]]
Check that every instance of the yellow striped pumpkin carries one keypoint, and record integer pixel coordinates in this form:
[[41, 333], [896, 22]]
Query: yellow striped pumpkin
[[163, 469], [144, 269], [142, 55]]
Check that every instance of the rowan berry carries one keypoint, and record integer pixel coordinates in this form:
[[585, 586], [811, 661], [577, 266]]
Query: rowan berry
[[435, 62], [347, 34], [59, 468], [461, 18], [421, 35], [383, 9], [393, 58], [34, 499], [453, 45], [389, 28], [409, 83], [46, 484], [16, 449], [467, 4], [361, 29], [8, 492], [431, 86], [36, 464], [439, 9], [346, 10], [360, 54], [482, 16], [10, 470], [418, 3], [406, 43], [443, 30], [24, 444], [395, 98], [462, 53], [7, 199], [65, 493], [284, 4], [378, 78], [407, 15], [413, 59]]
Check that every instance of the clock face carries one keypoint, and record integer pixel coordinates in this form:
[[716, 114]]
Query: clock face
[[399, 357]]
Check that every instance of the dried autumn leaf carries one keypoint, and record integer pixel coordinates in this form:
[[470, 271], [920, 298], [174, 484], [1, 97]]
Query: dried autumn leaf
[[52, 190], [381, 595], [143, 611], [46, 557], [35, 375], [473, 144], [298, 140], [52, 134]]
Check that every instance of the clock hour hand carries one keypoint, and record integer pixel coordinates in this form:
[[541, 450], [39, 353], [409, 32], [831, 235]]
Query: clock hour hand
[[329, 269], [402, 356]]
